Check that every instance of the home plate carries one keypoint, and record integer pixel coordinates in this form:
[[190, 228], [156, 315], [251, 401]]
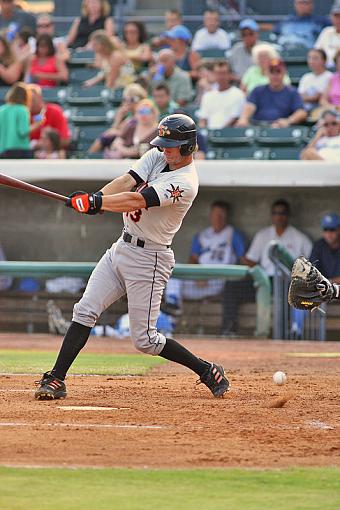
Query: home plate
[[92, 408]]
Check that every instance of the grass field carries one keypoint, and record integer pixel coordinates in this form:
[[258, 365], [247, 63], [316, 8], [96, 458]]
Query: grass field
[[35, 362], [130, 489]]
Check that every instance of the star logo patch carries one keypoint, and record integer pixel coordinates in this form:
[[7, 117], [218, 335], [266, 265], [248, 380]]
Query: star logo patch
[[163, 131], [175, 193]]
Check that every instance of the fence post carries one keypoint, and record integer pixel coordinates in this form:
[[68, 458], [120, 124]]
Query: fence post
[[263, 301]]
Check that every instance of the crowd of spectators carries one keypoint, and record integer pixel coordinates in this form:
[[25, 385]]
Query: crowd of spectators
[[246, 83]]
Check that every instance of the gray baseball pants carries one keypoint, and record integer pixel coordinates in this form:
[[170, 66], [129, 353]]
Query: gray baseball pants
[[141, 274]]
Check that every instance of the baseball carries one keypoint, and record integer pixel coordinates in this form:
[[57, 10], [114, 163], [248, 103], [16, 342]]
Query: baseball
[[279, 378]]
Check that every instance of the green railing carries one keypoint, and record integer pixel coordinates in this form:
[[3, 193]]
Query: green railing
[[186, 271], [282, 254]]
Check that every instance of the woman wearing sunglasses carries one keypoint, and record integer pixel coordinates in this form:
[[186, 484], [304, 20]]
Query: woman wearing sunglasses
[[135, 139], [325, 144]]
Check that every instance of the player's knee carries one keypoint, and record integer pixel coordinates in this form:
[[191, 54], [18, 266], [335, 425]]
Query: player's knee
[[84, 314], [149, 344]]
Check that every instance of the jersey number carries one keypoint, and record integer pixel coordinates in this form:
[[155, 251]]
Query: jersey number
[[135, 215]]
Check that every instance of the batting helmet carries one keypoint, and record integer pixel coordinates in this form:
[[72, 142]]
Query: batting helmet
[[177, 130]]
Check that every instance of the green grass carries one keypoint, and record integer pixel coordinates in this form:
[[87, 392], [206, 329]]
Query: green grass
[[35, 362], [130, 489]]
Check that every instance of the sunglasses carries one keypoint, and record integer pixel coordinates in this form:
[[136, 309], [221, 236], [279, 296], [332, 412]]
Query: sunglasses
[[279, 213], [44, 25], [329, 229], [332, 123], [144, 111], [275, 70]]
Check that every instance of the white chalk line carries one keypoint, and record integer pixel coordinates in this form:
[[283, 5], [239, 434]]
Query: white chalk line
[[317, 424], [92, 408], [81, 425], [10, 390]]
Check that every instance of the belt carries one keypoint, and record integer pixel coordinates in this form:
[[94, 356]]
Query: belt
[[128, 238]]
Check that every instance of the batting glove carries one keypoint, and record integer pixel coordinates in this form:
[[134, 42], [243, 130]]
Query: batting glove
[[87, 203]]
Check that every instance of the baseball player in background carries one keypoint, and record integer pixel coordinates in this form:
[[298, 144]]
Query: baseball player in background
[[164, 183]]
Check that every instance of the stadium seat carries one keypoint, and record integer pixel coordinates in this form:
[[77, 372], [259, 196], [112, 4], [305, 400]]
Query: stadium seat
[[191, 110], [231, 136], [116, 96], [294, 54], [268, 36], [238, 153], [294, 135], [296, 71], [3, 92], [87, 135], [212, 53], [81, 74], [285, 153], [54, 94], [87, 96], [94, 114], [81, 58]]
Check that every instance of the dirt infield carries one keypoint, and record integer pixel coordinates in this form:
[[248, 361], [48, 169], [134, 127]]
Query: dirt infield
[[164, 420]]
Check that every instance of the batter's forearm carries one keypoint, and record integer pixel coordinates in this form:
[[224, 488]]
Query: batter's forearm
[[123, 202], [123, 183]]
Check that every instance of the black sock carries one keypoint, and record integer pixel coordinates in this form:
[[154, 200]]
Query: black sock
[[174, 351], [75, 339]]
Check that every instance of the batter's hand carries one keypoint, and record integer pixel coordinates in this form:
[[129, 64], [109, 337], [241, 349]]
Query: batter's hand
[[87, 203]]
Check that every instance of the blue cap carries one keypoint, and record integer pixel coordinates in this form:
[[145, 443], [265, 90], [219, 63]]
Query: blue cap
[[330, 221], [250, 24], [179, 32]]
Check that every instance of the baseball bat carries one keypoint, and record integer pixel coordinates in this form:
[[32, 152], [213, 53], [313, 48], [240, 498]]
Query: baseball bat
[[6, 180]]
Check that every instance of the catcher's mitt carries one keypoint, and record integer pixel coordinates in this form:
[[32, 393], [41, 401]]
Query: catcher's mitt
[[308, 287]]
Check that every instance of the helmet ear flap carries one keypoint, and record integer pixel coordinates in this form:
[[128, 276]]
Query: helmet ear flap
[[187, 149]]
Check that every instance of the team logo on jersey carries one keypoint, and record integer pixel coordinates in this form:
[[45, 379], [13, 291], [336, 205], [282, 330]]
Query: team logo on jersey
[[163, 131], [175, 193]]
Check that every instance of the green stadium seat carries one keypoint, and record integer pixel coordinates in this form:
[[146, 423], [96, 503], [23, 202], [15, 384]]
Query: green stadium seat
[[294, 55], [212, 53], [294, 135], [232, 136], [3, 92], [116, 96], [260, 153], [87, 135], [54, 94], [81, 74], [81, 58], [77, 95], [93, 114], [296, 71], [268, 36], [292, 153]]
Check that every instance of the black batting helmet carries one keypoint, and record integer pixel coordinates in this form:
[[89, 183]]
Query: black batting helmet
[[177, 130]]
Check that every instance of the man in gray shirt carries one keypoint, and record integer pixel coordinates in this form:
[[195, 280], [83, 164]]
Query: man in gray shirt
[[241, 53], [15, 19]]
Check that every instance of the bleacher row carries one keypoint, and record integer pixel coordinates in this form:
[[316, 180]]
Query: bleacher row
[[91, 110]]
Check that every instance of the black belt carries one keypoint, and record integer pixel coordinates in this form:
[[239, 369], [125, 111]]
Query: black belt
[[128, 238]]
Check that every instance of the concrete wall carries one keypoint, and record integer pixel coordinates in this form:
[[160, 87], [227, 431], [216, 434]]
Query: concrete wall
[[37, 228]]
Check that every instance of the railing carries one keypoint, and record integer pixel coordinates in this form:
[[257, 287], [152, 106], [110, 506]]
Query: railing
[[185, 271], [289, 323]]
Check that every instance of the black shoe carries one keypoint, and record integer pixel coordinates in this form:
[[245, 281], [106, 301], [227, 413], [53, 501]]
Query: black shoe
[[215, 379], [50, 388]]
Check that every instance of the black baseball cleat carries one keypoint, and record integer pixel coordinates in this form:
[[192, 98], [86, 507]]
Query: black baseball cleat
[[215, 379], [50, 388]]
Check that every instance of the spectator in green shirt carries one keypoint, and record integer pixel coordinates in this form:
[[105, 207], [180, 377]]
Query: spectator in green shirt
[[15, 124], [162, 97]]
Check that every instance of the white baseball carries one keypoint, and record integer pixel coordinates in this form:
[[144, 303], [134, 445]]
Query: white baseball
[[279, 378]]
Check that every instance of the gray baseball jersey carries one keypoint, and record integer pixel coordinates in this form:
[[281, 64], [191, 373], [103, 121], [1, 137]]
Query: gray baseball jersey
[[140, 263]]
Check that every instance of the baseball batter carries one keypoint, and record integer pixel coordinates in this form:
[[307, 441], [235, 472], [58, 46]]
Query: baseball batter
[[164, 183]]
